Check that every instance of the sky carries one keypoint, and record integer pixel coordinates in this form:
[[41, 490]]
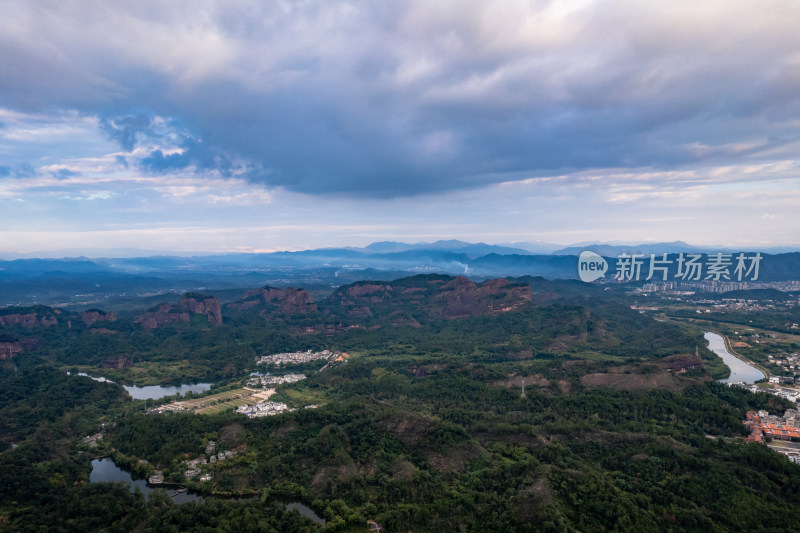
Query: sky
[[260, 126]]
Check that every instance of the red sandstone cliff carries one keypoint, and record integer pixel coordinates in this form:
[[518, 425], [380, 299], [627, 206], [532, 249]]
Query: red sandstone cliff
[[291, 301], [28, 319], [439, 296], [190, 304], [9, 350], [117, 362], [95, 315], [463, 297], [203, 305], [161, 315]]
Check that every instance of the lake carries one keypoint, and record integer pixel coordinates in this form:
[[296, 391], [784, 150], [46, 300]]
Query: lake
[[153, 392], [104, 470], [740, 371]]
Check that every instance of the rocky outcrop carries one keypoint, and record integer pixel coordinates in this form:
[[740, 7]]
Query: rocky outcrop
[[368, 293], [462, 298], [29, 317], [290, 301], [95, 315], [399, 303], [117, 362], [191, 304], [9, 350], [197, 304], [102, 331], [440, 297], [162, 315], [27, 320], [363, 299]]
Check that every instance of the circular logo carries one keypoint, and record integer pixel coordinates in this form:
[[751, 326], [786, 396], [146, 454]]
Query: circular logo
[[591, 266]]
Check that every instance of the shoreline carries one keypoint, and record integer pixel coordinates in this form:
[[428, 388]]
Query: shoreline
[[739, 356]]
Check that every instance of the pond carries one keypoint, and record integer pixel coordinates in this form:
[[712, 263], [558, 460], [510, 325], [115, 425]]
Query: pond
[[153, 392], [740, 371], [306, 511], [104, 470]]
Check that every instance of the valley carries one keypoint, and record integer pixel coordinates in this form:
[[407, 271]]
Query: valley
[[395, 402]]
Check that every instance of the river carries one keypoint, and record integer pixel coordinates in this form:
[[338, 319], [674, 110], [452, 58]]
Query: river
[[740, 371]]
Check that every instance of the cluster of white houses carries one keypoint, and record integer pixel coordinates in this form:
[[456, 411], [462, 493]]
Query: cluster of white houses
[[211, 457], [265, 381], [790, 394], [263, 409], [789, 363], [268, 409], [296, 358]]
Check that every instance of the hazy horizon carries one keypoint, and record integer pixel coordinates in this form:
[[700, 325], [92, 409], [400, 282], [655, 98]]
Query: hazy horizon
[[530, 247]]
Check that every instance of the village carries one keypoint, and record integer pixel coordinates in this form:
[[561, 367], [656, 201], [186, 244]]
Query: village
[[270, 408], [790, 394], [789, 363], [252, 398], [780, 433], [267, 409], [264, 381], [296, 358], [194, 466]]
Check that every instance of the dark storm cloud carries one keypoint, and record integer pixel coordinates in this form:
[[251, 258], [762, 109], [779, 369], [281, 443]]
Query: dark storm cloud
[[399, 98]]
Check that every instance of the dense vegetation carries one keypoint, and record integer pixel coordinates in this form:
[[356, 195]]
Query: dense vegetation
[[424, 429], [565, 320]]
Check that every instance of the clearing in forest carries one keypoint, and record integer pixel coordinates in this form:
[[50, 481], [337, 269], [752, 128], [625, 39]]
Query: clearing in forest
[[216, 403]]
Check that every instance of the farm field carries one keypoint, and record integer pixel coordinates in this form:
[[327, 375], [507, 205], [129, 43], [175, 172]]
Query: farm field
[[216, 403]]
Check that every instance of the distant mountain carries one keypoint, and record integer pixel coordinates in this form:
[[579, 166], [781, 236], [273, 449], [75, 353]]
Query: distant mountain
[[613, 250], [384, 247], [534, 247], [470, 249], [84, 281], [29, 268], [547, 266]]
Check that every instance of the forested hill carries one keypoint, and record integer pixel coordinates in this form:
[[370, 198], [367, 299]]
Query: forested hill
[[505, 405], [527, 318]]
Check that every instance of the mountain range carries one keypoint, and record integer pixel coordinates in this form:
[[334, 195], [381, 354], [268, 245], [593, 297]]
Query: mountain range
[[451, 245], [85, 280]]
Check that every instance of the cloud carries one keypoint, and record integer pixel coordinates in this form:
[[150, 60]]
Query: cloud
[[64, 173], [125, 130], [388, 99], [25, 170]]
